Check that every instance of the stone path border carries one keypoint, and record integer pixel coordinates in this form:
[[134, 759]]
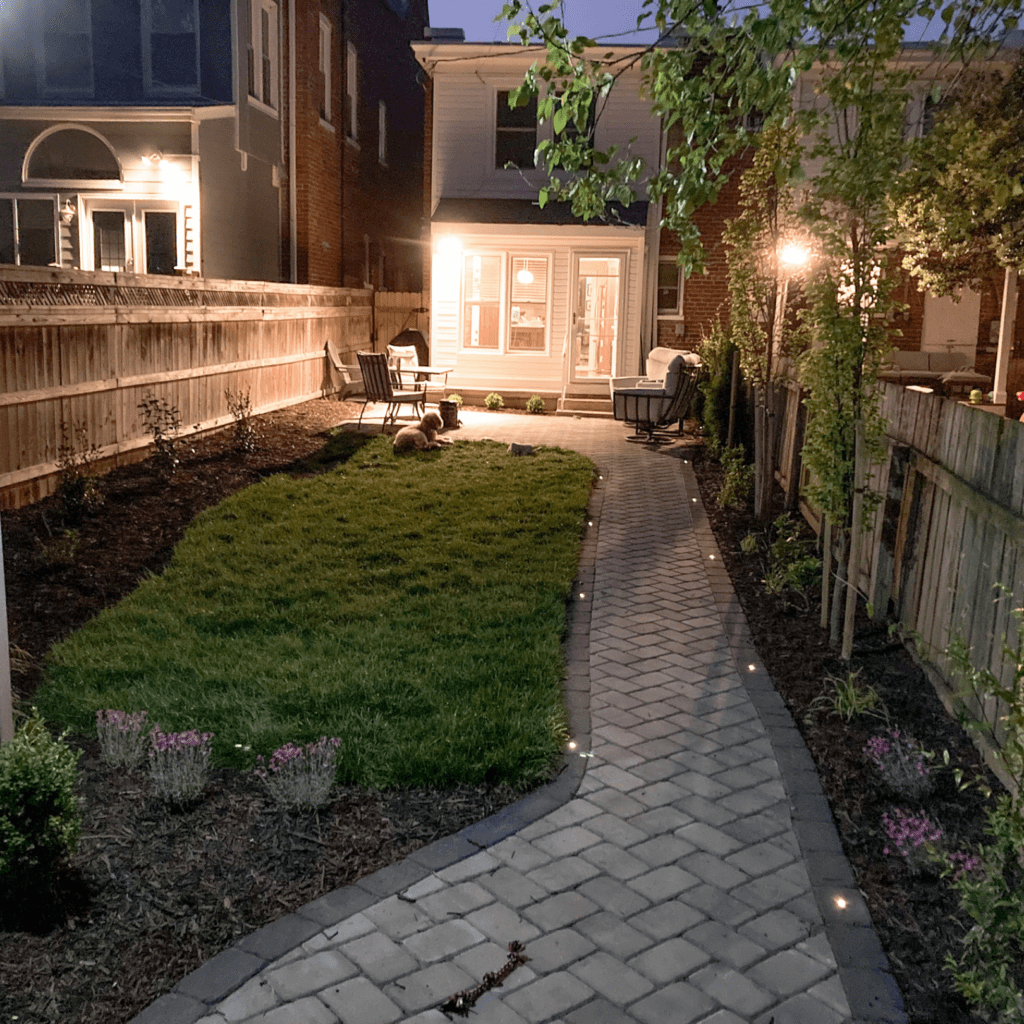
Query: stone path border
[[870, 991]]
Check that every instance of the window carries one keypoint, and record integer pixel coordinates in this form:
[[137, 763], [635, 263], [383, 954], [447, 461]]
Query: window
[[515, 135], [170, 45], [68, 155], [325, 69], [28, 232], [161, 242], [263, 53], [110, 250], [669, 288], [528, 304], [481, 297], [66, 67], [351, 93], [140, 237], [382, 132]]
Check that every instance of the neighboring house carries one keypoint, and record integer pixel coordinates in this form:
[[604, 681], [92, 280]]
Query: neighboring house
[[179, 136]]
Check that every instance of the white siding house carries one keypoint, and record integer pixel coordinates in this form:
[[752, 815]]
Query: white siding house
[[524, 300]]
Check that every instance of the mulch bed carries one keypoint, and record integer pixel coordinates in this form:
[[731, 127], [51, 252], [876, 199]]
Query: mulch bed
[[153, 893]]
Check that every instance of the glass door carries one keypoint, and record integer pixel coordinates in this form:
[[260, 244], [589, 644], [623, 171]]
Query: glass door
[[596, 313]]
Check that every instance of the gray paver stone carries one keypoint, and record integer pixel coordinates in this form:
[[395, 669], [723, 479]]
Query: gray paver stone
[[443, 940], [670, 960], [428, 987], [661, 850], [547, 996], [558, 911], [719, 905], [398, 918], [714, 870], [614, 861], [709, 838], [613, 801], [501, 924], [567, 841], [359, 1001], [381, 959], [564, 873], [614, 896], [777, 929], [219, 976], [555, 951], [255, 996], [788, 972], [517, 853], [303, 977], [612, 934], [456, 901], [511, 887], [309, 1010], [173, 1008], [725, 944], [488, 958], [351, 928], [471, 867], [802, 1009], [663, 883], [675, 1004], [608, 975], [732, 989], [598, 1011], [666, 920]]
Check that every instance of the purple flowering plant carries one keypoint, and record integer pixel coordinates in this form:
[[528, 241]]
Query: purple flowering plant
[[902, 763], [179, 763], [912, 837], [122, 736], [300, 777]]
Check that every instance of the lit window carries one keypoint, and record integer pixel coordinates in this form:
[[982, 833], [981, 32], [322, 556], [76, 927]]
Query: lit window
[[325, 69], [481, 297], [27, 232], [351, 93], [528, 304], [109, 240], [669, 288], [515, 135], [67, 47], [170, 45], [262, 53], [382, 132]]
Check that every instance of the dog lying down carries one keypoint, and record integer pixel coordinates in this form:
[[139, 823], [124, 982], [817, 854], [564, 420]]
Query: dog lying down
[[423, 437]]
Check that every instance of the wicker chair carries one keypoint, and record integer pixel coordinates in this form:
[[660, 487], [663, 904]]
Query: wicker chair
[[383, 384]]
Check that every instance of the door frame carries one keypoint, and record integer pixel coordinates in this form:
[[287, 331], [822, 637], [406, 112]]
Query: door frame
[[134, 211], [575, 255]]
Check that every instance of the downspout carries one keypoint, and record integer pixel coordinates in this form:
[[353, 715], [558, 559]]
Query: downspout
[[293, 218], [1006, 319]]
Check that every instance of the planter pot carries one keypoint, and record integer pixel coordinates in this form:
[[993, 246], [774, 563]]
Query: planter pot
[[449, 413]]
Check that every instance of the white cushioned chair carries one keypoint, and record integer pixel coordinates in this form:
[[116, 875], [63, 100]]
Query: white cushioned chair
[[654, 402]]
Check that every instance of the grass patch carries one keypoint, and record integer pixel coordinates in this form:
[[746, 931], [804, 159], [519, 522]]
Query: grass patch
[[411, 605]]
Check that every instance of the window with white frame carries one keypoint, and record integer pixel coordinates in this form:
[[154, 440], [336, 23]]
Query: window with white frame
[[262, 53], [382, 132], [528, 304], [481, 301], [515, 132], [325, 69], [170, 45], [670, 288], [66, 66], [28, 231], [351, 92]]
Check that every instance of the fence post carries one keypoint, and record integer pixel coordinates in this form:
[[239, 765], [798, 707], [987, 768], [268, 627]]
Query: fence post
[[6, 709]]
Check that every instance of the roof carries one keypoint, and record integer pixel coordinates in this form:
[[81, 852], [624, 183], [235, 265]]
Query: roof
[[528, 211]]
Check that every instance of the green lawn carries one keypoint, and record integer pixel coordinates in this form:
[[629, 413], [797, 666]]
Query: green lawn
[[411, 605]]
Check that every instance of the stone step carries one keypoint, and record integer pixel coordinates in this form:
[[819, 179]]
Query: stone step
[[598, 407]]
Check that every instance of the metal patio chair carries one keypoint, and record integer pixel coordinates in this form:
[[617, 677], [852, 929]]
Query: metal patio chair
[[384, 384], [653, 404]]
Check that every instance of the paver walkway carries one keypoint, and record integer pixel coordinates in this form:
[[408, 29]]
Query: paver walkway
[[684, 868]]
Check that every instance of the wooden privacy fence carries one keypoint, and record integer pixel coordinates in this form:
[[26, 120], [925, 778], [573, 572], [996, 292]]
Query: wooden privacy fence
[[948, 535], [84, 348], [394, 312]]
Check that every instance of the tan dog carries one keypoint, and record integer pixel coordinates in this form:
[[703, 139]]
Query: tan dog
[[423, 437]]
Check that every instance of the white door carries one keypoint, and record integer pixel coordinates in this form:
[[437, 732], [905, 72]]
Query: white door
[[142, 237], [596, 315]]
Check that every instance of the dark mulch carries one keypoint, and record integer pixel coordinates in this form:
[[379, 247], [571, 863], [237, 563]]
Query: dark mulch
[[917, 918], [152, 893]]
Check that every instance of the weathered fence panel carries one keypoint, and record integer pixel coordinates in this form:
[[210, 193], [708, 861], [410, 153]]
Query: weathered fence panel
[[84, 349], [395, 312]]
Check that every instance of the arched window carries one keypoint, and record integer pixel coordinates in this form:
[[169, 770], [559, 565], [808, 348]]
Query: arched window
[[72, 157]]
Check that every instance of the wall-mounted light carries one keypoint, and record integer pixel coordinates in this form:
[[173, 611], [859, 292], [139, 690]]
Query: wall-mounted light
[[156, 157], [67, 212]]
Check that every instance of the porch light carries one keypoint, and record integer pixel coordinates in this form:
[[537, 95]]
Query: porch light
[[525, 276], [449, 245], [67, 212]]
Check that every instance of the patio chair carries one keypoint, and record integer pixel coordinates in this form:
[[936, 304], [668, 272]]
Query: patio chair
[[662, 398], [382, 386]]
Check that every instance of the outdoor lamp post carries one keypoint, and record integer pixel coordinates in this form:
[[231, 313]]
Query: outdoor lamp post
[[791, 257]]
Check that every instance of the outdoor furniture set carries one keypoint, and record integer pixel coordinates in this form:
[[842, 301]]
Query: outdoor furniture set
[[945, 372], [653, 403]]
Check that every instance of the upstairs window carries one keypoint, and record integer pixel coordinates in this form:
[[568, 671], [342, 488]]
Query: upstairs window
[[262, 53], [325, 69], [66, 68], [170, 45], [351, 93], [28, 232], [515, 135], [670, 288], [66, 156]]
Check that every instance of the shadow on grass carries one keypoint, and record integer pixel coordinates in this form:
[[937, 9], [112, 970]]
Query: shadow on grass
[[342, 446]]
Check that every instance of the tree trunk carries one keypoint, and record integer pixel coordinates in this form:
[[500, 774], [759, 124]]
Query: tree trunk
[[856, 537], [826, 570], [764, 451], [838, 586]]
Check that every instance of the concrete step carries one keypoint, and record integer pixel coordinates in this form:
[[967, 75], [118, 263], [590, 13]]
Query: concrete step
[[598, 407]]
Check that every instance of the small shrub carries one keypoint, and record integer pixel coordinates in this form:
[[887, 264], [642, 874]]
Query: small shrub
[[301, 777], [912, 837], [60, 549], [738, 482], [793, 569], [902, 764], [535, 404], [39, 815], [122, 737], [162, 421], [77, 490], [494, 401], [849, 697], [246, 434], [749, 544], [179, 763], [456, 398]]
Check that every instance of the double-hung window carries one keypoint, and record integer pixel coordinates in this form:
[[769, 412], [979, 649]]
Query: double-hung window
[[170, 45], [670, 288], [262, 53], [351, 93], [481, 301], [325, 70], [515, 132], [528, 304], [27, 231], [504, 302], [66, 67]]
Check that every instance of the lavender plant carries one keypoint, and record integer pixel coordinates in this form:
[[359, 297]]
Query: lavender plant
[[122, 737], [912, 837], [300, 777], [902, 764], [179, 764]]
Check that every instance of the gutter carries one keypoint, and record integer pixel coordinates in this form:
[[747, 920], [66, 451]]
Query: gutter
[[293, 218]]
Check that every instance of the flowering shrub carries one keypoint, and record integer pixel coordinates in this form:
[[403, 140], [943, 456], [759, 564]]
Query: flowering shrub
[[179, 763], [122, 737], [300, 777], [912, 836], [902, 764]]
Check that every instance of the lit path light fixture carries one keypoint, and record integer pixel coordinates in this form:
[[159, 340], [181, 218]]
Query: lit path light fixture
[[792, 257]]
